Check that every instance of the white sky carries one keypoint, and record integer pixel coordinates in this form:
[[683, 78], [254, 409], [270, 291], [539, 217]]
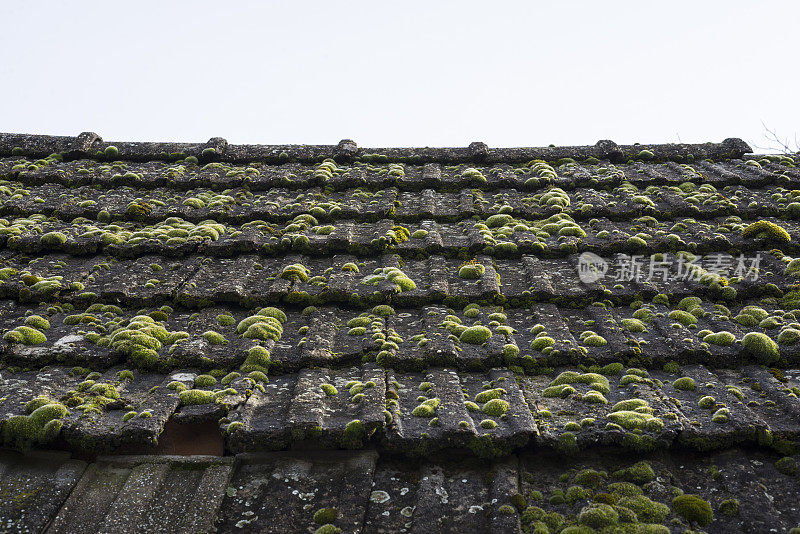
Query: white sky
[[408, 73]]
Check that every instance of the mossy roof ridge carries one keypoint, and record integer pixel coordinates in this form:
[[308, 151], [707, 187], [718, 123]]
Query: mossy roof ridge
[[89, 144], [738, 490]]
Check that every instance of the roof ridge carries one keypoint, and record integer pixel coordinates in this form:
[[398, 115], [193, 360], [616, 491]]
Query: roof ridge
[[91, 145]]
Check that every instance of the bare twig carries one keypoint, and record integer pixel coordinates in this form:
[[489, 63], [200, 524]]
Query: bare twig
[[776, 143]]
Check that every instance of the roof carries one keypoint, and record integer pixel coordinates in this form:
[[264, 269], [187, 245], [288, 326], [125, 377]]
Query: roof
[[396, 339]]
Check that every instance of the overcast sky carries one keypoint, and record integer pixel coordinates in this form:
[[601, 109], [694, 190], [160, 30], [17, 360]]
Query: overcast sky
[[402, 73]]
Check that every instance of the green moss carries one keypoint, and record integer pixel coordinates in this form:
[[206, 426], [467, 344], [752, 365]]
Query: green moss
[[541, 343], [354, 434], [214, 338], [25, 335], [204, 381], [192, 397], [424, 410], [707, 402], [471, 271], [495, 407], [111, 152], [328, 529], [53, 239], [420, 234], [729, 507], [786, 465], [329, 389], [683, 317], [767, 230], [475, 335], [761, 347], [128, 416], [591, 478], [594, 340], [598, 516], [722, 339], [325, 515], [634, 325], [638, 473], [685, 383], [488, 394], [693, 509], [647, 511], [487, 424], [383, 310], [38, 322], [611, 369], [225, 320]]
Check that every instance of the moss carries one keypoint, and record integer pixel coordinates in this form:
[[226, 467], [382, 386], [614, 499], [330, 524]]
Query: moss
[[38, 322], [204, 381], [25, 335], [214, 338], [598, 516], [111, 152], [128, 416], [325, 515], [495, 407], [471, 271], [383, 310], [594, 340], [329, 389], [707, 402], [761, 347], [489, 394], [541, 343], [475, 335], [683, 317], [562, 391], [611, 369], [328, 529], [638, 473], [354, 434], [225, 319], [567, 443], [591, 478], [722, 339], [53, 239], [685, 383], [729, 507], [487, 424], [192, 397], [634, 325], [786, 465], [646, 510], [693, 509], [767, 230]]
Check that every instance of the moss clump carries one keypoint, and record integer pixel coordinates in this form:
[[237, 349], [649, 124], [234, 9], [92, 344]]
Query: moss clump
[[111, 152], [685, 383], [729, 507], [225, 319], [329, 389], [38, 322], [41, 426], [495, 407], [214, 338], [541, 343], [638, 473], [693, 509], [722, 339], [786, 465], [488, 394], [591, 478], [192, 397], [258, 359], [324, 516], [328, 529], [475, 335], [646, 510], [354, 434], [707, 402], [683, 317], [53, 239], [471, 271], [25, 335], [204, 381], [487, 424], [295, 272], [767, 230], [383, 310], [634, 325], [761, 347], [598, 516]]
